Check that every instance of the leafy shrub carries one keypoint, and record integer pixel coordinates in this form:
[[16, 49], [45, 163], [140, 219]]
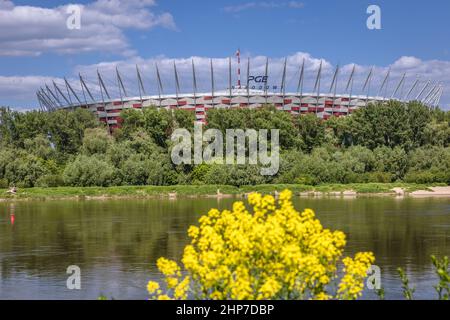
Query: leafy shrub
[[4, 183], [427, 177], [50, 181], [40, 146], [96, 141], [234, 175], [199, 173], [379, 177], [25, 170], [306, 180], [87, 171]]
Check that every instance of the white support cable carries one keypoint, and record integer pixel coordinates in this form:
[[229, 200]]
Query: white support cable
[[230, 79], [102, 85], [266, 75], [283, 80], [68, 92], [422, 91], [47, 103], [177, 80], [72, 90], [212, 82], [350, 85], [334, 79], [194, 80], [367, 85], [430, 92], [398, 86], [385, 84], [248, 81], [53, 104], [54, 96], [61, 93], [432, 95], [334, 83], [317, 85], [438, 98], [412, 88]]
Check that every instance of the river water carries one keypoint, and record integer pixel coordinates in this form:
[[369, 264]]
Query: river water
[[116, 242]]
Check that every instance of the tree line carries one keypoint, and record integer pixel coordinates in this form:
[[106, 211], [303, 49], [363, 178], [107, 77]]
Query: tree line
[[380, 143]]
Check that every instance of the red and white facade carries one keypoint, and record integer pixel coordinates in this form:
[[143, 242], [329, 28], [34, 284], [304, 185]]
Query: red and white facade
[[324, 106]]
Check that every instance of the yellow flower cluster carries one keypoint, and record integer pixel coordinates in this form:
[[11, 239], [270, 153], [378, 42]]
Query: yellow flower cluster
[[274, 252], [351, 284]]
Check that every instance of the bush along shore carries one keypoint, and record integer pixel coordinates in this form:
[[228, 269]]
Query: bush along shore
[[222, 191], [386, 143]]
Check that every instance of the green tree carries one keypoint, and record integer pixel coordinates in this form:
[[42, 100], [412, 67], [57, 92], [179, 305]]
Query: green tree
[[25, 169], [40, 146], [381, 125], [96, 141], [86, 171], [394, 161], [311, 131], [419, 116]]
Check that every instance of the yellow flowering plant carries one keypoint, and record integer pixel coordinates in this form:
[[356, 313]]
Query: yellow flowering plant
[[274, 252]]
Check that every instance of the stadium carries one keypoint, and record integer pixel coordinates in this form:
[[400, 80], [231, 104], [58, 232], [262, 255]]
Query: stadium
[[253, 92]]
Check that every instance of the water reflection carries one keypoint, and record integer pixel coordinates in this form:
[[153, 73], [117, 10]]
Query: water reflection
[[116, 243]]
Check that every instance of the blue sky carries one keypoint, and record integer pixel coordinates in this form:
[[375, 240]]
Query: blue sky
[[150, 30]]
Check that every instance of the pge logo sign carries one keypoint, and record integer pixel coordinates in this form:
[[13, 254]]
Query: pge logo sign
[[257, 83], [258, 79]]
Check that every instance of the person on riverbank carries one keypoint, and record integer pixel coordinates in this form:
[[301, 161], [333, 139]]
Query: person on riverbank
[[13, 190]]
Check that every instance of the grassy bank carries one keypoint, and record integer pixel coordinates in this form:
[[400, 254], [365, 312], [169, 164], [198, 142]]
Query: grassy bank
[[205, 190]]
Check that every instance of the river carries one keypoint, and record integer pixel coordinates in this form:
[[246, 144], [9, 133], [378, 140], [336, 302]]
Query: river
[[116, 242]]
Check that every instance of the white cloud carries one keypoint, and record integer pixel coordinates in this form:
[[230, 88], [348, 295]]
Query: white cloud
[[407, 63], [295, 4], [6, 4], [263, 5], [22, 89], [31, 30], [434, 70]]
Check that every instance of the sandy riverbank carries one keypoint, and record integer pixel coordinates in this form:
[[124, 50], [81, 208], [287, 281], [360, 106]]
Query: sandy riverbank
[[397, 192], [434, 192], [431, 192]]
